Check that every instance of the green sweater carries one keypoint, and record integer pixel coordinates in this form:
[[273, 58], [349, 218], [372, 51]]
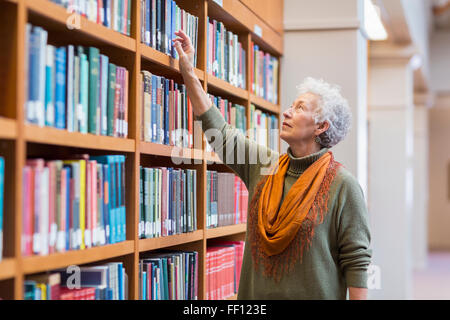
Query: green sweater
[[339, 254]]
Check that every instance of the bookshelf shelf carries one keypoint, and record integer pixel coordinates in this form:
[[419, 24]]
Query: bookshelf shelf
[[165, 61], [22, 139], [170, 151], [7, 268], [212, 156], [169, 241], [224, 87], [89, 31], [48, 135], [35, 264], [225, 231], [264, 104], [8, 128]]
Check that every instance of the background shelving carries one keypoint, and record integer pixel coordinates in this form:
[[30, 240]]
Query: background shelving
[[19, 140]]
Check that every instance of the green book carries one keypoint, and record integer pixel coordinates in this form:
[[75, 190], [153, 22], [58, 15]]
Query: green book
[[130, 3], [94, 106], [147, 202], [141, 202], [111, 98]]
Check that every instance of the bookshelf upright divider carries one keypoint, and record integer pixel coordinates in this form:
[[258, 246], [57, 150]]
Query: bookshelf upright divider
[[27, 139]]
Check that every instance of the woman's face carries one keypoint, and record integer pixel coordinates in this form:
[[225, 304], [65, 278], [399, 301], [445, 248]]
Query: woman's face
[[298, 125]]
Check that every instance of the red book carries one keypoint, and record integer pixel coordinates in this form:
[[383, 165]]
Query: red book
[[28, 210], [117, 103], [125, 16], [208, 272], [125, 104], [60, 239]]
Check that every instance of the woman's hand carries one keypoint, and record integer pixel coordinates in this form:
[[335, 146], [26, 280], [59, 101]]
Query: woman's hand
[[186, 52]]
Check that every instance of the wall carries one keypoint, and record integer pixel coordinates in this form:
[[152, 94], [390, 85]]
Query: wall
[[439, 204]]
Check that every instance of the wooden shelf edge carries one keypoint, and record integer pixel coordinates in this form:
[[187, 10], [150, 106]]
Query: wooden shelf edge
[[8, 128], [225, 231], [233, 297], [35, 264], [168, 241], [48, 135], [59, 14], [227, 87], [7, 268], [264, 104], [157, 149], [165, 60]]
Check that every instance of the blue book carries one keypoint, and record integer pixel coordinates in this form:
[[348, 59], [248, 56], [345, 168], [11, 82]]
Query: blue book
[[106, 200], [153, 23], [107, 13], [144, 285], [172, 27], [84, 92], [32, 46], [158, 25], [70, 88], [154, 106], [166, 111], [2, 187], [111, 161], [50, 86], [121, 192], [60, 88], [40, 107], [120, 272], [147, 38]]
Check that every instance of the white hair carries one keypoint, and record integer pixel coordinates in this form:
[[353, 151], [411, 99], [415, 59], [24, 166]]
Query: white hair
[[332, 107]]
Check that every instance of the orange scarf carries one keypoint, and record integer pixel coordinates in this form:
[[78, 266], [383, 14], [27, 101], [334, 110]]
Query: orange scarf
[[273, 228]]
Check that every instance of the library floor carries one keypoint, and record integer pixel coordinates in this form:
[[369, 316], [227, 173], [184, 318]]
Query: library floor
[[433, 282]]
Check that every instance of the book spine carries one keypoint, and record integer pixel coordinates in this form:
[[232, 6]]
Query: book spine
[[60, 88], [49, 86]]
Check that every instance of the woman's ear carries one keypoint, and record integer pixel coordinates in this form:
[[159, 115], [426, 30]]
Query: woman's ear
[[322, 127]]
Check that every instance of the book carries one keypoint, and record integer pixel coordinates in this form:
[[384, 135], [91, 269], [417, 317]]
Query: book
[[264, 70], [113, 14], [74, 88], [161, 19], [2, 187], [73, 204]]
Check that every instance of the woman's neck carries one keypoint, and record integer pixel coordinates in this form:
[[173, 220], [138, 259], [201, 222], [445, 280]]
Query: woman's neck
[[303, 150]]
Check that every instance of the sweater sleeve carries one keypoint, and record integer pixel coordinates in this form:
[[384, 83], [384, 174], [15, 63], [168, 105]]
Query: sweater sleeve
[[353, 232], [244, 156]]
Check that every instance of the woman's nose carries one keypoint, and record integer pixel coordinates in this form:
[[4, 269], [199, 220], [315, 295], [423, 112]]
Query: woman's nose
[[287, 113]]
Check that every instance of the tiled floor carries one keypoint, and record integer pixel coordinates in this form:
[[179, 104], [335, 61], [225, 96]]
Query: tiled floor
[[433, 283]]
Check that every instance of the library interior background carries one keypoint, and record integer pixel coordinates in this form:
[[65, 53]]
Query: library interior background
[[93, 109]]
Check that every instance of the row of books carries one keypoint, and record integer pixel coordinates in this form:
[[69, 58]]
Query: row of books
[[234, 114], [225, 54], [160, 19], [169, 275], [264, 128], [114, 14], [75, 88], [2, 187], [103, 282], [168, 201], [223, 268], [264, 70], [167, 116], [231, 206], [73, 204]]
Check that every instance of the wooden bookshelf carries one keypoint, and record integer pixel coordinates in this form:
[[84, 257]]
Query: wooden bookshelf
[[8, 128], [24, 140]]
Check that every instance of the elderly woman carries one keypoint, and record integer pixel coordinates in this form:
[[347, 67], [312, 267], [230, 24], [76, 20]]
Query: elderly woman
[[307, 231]]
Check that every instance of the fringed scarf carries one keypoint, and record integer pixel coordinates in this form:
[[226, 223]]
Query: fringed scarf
[[278, 234]]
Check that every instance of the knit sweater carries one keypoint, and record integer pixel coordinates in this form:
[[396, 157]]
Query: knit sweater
[[339, 253]]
